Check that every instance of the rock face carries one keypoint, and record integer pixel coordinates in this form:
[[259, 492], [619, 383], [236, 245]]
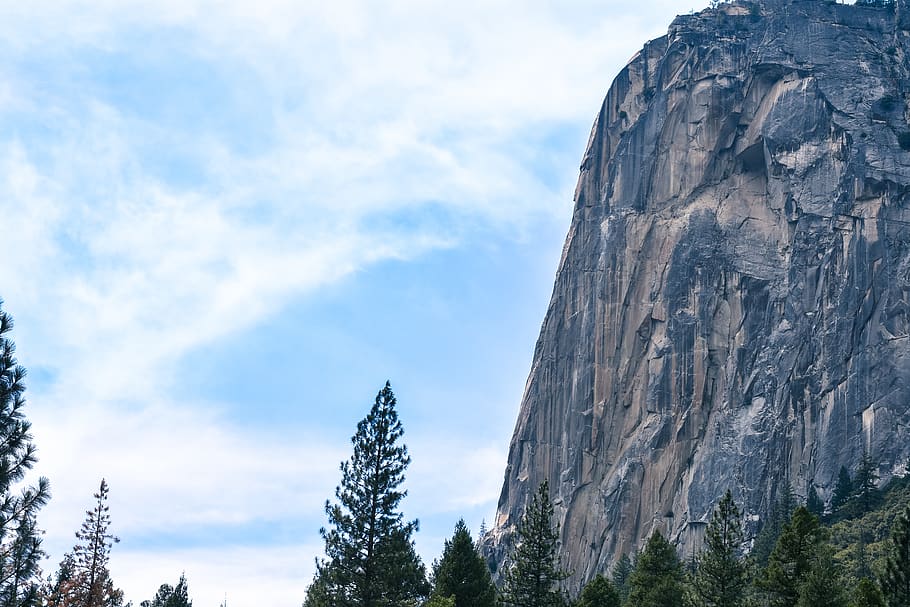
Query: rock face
[[732, 307]]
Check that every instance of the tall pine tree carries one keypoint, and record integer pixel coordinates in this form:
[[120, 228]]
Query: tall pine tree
[[843, 490], [84, 579], [865, 486], [793, 557], [370, 558], [462, 573], [535, 576], [814, 504], [896, 579], [20, 540], [658, 578], [622, 570], [770, 532], [721, 574]]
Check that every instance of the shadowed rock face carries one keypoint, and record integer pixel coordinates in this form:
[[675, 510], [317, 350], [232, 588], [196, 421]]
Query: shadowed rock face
[[733, 302]]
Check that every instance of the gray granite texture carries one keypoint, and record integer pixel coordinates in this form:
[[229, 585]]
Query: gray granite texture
[[732, 306]]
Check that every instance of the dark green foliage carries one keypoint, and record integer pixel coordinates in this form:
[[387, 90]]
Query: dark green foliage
[[721, 576], [863, 544], [814, 504], [21, 555], [896, 578], [793, 556], [770, 531], [462, 573], [658, 579], [843, 490], [318, 593], [171, 596], [599, 592], [867, 594], [865, 486], [370, 558], [534, 578], [822, 586], [622, 570]]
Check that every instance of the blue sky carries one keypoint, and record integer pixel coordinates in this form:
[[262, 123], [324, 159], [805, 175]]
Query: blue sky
[[228, 223]]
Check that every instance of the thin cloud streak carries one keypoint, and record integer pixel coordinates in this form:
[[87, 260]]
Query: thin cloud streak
[[150, 212]]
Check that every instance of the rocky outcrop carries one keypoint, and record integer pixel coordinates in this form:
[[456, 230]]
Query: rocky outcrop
[[732, 307]]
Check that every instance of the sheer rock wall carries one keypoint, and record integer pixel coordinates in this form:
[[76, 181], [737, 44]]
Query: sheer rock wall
[[732, 306]]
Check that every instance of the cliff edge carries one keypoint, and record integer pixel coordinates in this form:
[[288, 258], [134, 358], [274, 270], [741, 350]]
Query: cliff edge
[[732, 307]]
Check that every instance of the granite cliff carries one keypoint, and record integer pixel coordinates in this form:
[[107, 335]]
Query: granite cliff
[[732, 307]]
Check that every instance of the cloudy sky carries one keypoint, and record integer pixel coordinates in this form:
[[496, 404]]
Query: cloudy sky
[[227, 223]]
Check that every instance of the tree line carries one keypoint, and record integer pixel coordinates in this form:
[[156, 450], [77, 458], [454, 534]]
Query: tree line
[[370, 560], [83, 578]]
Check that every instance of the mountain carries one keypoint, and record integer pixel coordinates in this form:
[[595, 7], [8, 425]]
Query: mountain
[[732, 307]]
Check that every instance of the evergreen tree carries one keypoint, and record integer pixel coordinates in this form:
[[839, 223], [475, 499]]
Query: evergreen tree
[[462, 573], [534, 578], [56, 590], [317, 593], [599, 592], [770, 532], [865, 486], [867, 594], [896, 579], [658, 579], [814, 504], [20, 540], [622, 570], [721, 574], [794, 554], [84, 579], [370, 558], [822, 586], [171, 596], [843, 490]]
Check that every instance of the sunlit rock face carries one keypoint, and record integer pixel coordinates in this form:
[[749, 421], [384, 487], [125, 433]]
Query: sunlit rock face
[[733, 302]]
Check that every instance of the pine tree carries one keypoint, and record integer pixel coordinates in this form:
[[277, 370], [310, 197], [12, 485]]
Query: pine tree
[[20, 540], [622, 570], [171, 596], [793, 556], [896, 579], [534, 578], [822, 585], [89, 583], [814, 504], [658, 579], [599, 592], [721, 574], [843, 490], [867, 594], [370, 558], [462, 573], [770, 532], [865, 486]]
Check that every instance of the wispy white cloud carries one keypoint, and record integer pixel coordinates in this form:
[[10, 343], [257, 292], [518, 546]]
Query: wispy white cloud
[[174, 172]]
